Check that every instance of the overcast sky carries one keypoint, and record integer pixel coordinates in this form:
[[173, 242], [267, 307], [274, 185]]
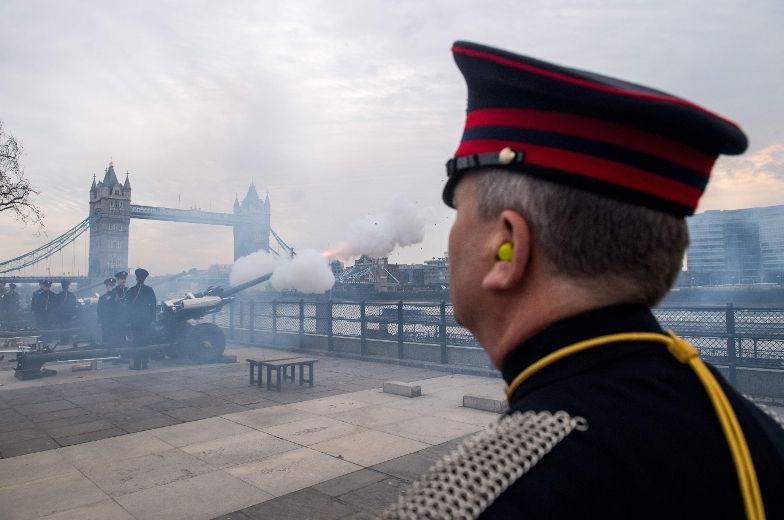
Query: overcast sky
[[334, 107]]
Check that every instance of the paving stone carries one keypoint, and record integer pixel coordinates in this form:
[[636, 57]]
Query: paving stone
[[266, 417], [429, 429], [194, 414], [375, 498], [328, 405], [287, 397], [79, 428], [148, 423], [20, 435], [236, 515], [109, 450], [58, 414], [239, 449], [14, 449], [192, 499], [351, 482], [306, 504], [90, 436], [103, 510], [291, 471], [39, 408], [408, 467], [48, 496], [371, 416], [165, 405], [139, 473], [68, 421], [245, 398], [37, 396], [200, 431], [27, 468], [181, 395], [311, 430], [369, 447]]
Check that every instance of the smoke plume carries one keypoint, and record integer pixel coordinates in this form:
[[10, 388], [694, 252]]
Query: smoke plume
[[399, 224], [308, 272]]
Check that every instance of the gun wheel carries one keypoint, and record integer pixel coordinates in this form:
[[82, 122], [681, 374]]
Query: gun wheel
[[205, 343]]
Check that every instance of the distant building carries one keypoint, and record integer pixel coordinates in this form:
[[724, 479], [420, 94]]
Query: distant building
[[437, 271], [736, 247]]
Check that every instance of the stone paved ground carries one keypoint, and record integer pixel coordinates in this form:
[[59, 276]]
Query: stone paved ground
[[49, 413], [199, 442]]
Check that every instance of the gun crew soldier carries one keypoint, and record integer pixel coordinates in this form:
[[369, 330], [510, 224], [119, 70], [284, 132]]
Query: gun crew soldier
[[108, 311], [66, 309], [141, 306], [571, 190]]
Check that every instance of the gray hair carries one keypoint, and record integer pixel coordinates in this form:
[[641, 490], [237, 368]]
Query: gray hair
[[624, 252]]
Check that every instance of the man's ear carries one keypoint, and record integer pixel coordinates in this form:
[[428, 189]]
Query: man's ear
[[508, 270]]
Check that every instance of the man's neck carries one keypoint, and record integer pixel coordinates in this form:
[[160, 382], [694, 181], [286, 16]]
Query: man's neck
[[517, 317]]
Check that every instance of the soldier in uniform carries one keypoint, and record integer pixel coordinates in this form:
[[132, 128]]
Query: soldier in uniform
[[120, 319], [66, 309], [141, 306], [35, 304], [44, 305], [11, 306], [571, 190], [107, 315]]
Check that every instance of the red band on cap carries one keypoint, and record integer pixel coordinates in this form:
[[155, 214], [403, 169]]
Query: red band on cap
[[595, 129], [558, 76], [591, 167]]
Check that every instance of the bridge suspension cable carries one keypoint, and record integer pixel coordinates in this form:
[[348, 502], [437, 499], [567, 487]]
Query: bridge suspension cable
[[287, 248], [45, 251]]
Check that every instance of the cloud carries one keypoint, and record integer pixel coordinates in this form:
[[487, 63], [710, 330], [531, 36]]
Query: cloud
[[334, 107], [755, 179]]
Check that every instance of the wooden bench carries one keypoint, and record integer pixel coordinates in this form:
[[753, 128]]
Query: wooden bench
[[256, 366], [281, 368]]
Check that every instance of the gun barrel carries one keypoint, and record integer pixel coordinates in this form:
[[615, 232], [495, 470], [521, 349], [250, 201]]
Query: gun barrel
[[231, 291]]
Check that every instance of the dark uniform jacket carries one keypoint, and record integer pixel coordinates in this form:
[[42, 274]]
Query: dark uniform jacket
[[653, 448], [107, 309], [140, 304], [67, 307], [43, 305]]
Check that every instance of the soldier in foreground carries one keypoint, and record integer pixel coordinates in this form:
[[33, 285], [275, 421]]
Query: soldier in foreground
[[67, 309], [141, 306], [571, 190], [107, 315]]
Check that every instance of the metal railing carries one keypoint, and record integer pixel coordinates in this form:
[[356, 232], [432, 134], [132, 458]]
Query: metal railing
[[736, 337]]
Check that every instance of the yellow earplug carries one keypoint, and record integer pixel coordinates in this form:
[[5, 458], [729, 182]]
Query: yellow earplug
[[505, 252]]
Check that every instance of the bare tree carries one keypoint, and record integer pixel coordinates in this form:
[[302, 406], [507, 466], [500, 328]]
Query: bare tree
[[16, 191]]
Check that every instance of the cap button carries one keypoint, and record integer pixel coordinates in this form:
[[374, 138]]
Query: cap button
[[506, 156]]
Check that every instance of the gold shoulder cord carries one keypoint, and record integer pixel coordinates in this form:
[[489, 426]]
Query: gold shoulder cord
[[687, 354]]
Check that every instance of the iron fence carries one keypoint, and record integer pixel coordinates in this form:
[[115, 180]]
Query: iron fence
[[737, 337]]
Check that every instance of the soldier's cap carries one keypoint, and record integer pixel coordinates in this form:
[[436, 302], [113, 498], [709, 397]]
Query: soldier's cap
[[141, 273], [12, 285], [109, 281], [585, 130], [41, 282], [47, 283], [65, 283], [121, 274]]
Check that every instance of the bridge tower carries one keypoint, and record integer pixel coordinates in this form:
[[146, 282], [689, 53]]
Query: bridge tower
[[110, 206], [253, 236]]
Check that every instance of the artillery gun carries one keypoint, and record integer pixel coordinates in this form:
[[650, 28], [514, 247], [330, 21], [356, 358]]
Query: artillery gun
[[174, 334], [201, 342]]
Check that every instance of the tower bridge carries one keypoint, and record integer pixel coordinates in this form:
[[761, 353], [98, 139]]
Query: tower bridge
[[108, 224]]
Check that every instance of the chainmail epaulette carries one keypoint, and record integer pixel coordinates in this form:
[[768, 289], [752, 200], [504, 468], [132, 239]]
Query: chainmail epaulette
[[465, 482]]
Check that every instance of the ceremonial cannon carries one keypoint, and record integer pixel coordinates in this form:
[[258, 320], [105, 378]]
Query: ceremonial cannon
[[174, 334]]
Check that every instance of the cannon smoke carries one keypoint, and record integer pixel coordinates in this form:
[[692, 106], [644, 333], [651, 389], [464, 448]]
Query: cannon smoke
[[400, 224], [308, 272]]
